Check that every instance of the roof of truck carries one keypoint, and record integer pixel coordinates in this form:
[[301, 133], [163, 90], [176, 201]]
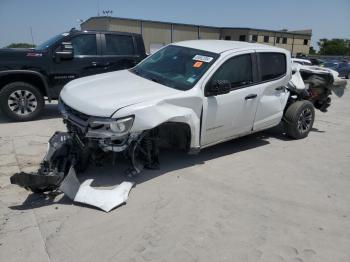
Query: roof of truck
[[219, 46]]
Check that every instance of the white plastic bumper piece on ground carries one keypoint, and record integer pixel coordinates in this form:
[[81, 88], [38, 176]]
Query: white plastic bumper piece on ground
[[105, 199]]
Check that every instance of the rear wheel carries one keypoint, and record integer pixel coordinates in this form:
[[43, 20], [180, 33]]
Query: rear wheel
[[299, 119], [21, 101]]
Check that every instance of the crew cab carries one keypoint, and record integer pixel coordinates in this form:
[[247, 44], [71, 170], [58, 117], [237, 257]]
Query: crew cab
[[28, 76], [187, 96]]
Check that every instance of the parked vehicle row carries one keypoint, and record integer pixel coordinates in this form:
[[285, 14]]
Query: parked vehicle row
[[343, 69], [341, 66]]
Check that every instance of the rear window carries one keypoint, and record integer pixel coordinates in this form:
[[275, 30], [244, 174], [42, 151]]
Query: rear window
[[272, 65], [84, 45], [119, 45]]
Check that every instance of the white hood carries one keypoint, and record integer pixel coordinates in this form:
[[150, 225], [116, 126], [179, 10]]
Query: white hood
[[101, 95]]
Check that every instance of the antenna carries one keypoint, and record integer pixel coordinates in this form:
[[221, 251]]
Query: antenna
[[107, 12], [80, 21], [31, 34]]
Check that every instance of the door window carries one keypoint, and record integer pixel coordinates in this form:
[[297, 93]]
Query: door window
[[84, 45], [272, 65], [119, 45], [236, 70]]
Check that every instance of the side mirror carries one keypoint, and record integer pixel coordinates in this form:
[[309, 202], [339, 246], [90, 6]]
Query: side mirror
[[66, 51], [218, 87]]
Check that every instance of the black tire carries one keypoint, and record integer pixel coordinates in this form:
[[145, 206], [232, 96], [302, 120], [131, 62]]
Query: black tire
[[27, 102], [299, 119]]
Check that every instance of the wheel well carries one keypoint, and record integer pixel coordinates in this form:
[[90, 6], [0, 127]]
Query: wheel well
[[27, 78], [174, 135]]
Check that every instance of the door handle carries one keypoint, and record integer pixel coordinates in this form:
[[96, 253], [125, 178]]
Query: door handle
[[281, 88], [251, 96], [95, 64]]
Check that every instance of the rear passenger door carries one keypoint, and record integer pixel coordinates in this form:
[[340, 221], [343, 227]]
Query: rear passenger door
[[274, 70], [119, 51]]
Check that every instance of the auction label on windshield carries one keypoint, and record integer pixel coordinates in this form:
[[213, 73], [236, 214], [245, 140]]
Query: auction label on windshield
[[197, 64], [203, 58]]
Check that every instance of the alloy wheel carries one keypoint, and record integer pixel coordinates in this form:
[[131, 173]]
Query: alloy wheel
[[305, 120], [22, 102]]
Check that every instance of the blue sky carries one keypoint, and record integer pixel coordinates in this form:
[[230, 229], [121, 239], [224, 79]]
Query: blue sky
[[327, 18]]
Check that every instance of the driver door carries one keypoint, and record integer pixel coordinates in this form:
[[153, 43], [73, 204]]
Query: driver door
[[231, 115], [87, 61]]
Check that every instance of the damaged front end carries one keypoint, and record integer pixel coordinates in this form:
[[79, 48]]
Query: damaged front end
[[64, 151], [89, 140]]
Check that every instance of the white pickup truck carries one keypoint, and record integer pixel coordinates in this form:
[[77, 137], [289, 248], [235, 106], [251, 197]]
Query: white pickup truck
[[187, 96]]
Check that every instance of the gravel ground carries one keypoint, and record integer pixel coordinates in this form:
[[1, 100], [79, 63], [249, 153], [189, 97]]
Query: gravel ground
[[259, 198]]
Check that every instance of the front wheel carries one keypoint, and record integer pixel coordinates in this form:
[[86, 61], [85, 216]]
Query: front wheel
[[21, 101], [299, 119]]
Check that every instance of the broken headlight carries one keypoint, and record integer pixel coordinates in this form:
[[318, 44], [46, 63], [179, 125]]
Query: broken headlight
[[122, 125]]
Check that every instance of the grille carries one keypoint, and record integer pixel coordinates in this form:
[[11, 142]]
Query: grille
[[75, 113]]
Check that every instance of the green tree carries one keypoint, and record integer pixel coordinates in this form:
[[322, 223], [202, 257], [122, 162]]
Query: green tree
[[334, 46], [312, 51], [20, 45]]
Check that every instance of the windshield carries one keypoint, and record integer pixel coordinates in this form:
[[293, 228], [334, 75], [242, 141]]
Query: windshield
[[175, 66], [51, 41]]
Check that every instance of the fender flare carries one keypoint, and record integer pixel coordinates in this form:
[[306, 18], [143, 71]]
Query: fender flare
[[30, 72]]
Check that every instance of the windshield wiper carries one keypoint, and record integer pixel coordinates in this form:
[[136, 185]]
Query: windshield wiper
[[148, 76], [154, 80], [135, 71]]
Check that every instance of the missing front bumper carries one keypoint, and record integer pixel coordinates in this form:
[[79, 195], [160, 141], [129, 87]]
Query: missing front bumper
[[67, 153], [105, 199]]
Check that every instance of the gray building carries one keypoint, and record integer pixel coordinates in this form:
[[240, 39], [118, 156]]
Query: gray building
[[157, 34]]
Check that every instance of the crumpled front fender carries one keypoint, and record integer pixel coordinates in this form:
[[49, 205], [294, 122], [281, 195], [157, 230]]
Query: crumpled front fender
[[151, 116]]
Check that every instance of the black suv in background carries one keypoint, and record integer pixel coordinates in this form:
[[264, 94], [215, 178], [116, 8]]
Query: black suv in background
[[27, 76]]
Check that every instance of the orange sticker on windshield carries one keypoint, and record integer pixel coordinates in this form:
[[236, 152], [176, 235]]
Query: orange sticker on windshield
[[198, 64]]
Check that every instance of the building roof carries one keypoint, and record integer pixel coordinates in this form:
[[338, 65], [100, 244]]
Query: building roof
[[307, 32], [298, 32], [219, 46]]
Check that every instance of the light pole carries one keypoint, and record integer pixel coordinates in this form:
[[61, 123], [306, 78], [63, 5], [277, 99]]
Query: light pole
[[98, 7]]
